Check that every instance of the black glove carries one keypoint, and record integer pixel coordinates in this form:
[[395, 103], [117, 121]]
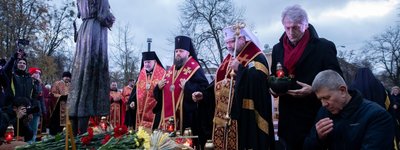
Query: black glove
[[19, 53], [16, 55]]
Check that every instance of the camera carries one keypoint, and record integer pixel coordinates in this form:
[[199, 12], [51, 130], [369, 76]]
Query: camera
[[32, 110], [20, 47], [23, 42]]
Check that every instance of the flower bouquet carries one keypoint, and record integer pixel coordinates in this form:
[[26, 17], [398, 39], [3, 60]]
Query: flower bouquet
[[120, 138], [127, 140], [161, 140]]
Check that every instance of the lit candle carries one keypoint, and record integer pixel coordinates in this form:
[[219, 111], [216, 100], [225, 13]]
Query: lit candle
[[103, 123], [9, 135], [170, 128], [279, 70], [188, 142], [170, 125], [103, 126], [280, 74]]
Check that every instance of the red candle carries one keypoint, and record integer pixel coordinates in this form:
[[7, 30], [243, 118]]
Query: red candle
[[103, 123], [103, 126], [279, 70], [280, 73], [170, 128], [188, 143], [9, 137]]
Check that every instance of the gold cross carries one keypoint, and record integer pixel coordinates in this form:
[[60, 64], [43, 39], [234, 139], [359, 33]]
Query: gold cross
[[243, 59], [237, 27], [224, 65], [187, 70]]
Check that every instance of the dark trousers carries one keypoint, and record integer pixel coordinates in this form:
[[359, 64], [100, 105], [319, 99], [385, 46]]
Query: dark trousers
[[54, 125], [79, 124], [24, 130]]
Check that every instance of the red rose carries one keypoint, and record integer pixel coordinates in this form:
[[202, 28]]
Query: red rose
[[90, 132], [92, 122], [106, 139], [86, 140], [120, 130]]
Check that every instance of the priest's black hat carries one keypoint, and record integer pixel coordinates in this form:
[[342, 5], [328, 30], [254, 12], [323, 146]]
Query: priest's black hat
[[184, 42], [66, 74], [150, 55]]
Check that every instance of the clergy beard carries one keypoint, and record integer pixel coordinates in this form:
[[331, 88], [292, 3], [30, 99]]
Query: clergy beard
[[114, 89], [149, 69], [238, 50], [230, 52], [240, 46], [179, 62], [67, 80]]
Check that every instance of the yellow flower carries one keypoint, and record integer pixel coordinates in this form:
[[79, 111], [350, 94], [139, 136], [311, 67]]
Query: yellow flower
[[144, 135]]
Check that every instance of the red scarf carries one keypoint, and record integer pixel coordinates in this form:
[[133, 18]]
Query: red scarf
[[293, 54]]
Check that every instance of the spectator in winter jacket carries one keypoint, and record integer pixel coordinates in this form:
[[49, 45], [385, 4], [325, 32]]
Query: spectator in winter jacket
[[347, 120]]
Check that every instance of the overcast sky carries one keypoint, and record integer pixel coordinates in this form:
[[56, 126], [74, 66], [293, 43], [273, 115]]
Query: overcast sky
[[347, 23]]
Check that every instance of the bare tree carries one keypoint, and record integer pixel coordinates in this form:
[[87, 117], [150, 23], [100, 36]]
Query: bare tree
[[20, 19], [55, 41], [384, 51], [58, 30], [346, 54], [125, 56], [204, 20], [49, 68], [117, 76], [48, 27]]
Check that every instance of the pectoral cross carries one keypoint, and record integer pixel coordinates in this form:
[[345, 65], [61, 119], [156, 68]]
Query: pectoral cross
[[147, 86]]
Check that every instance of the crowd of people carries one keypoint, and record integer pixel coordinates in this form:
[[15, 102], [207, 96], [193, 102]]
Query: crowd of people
[[318, 111], [24, 98]]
